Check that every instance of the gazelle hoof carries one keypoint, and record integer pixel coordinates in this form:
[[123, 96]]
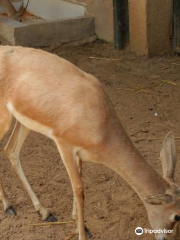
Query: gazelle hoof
[[88, 234], [51, 218], [11, 211]]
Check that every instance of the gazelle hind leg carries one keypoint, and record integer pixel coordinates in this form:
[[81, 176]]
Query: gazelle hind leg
[[6, 205], [5, 123], [68, 157], [13, 149]]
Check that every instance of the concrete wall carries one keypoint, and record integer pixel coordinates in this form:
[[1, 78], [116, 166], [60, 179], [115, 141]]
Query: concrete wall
[[138, 26], [102, 11], [150, 21], [150, 26], [159, 25], [55, 9]]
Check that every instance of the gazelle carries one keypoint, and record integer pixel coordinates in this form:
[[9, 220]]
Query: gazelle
[[49, 95], [11, 11]]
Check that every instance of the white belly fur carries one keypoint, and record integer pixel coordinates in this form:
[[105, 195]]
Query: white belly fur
[[29, 123]]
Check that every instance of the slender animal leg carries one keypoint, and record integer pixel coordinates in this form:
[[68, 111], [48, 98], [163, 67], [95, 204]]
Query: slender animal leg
[[5, 122], [74, 212], [13, 149], [3, 197], [69, 159], [6, 205]]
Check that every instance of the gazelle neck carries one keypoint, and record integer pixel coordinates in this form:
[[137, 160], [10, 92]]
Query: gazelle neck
[[132, 167]]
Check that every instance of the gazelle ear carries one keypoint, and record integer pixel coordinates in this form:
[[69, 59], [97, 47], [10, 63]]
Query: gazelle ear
[[168, 157], [159, 199]]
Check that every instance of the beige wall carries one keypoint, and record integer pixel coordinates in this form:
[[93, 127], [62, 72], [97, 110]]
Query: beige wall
[[102, 11], [137, 26], [150, 23], [150, 26], [159, 24]]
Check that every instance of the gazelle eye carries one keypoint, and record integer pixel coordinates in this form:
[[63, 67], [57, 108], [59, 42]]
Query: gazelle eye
[[177, 218]]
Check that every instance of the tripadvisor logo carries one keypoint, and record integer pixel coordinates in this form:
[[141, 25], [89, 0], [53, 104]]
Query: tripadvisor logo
[[139, 231]]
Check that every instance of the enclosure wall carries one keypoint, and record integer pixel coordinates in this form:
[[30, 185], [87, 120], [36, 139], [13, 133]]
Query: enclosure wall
[[102, 11], [151, 26]]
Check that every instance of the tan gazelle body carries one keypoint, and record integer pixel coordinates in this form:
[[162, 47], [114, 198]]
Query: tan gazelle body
[[49, 95]]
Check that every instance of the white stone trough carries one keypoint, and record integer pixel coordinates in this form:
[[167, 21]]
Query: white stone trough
[[48, 22]]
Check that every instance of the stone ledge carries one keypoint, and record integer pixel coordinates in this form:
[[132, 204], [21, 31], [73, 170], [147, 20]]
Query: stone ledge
[[47, 33]]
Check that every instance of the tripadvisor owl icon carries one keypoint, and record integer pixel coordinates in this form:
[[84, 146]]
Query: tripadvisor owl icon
[[139, 231]]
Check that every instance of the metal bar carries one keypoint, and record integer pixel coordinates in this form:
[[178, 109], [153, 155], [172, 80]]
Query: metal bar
[[176, 22], [121, 23], [117, 25]]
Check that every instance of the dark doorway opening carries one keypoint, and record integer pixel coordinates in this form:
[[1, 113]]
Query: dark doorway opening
[[176, 14], [121, 23]]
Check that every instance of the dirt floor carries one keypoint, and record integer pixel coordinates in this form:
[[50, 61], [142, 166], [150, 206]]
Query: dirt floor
[[146, 95]]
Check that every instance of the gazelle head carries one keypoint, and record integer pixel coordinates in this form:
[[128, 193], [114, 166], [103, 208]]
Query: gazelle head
[[164, 209]]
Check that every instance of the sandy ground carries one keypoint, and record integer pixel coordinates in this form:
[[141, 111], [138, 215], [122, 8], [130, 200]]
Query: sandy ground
[[148, 108]]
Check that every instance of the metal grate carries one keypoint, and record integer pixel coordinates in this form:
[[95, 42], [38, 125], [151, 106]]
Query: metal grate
[[177, 26]]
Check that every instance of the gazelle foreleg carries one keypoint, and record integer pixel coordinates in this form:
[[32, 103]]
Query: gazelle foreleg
[[13, 149], [69, 158], [74, 212]]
